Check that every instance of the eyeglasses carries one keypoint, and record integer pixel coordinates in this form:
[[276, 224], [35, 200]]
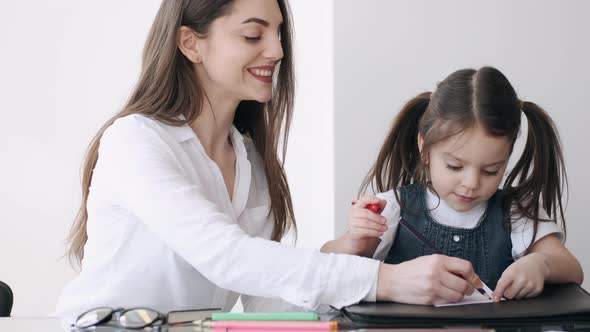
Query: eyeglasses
[[135, 318]]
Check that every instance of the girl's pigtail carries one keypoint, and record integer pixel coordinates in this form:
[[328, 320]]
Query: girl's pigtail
[[399, 157], [539, 174]]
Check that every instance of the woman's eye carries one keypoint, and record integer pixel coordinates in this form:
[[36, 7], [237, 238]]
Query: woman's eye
[[252, 38], [490, 173], [453, 168]]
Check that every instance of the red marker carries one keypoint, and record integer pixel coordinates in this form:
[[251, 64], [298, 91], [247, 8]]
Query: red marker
[[374, 207]]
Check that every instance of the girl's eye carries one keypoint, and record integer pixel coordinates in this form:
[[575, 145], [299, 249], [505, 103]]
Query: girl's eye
[[490, 173], [252, 39], [454, 168]]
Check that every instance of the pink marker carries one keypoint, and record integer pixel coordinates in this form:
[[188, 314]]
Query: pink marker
[[246, 326]]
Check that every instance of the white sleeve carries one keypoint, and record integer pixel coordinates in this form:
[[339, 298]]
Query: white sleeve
[[522, 233], [146, 180], [391, 213], [265, 304]]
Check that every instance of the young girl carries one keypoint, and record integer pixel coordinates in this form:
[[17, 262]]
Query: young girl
[[440, 168], [184, 196]]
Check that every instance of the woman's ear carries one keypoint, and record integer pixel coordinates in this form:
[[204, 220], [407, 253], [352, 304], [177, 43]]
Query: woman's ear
[[188, 43]]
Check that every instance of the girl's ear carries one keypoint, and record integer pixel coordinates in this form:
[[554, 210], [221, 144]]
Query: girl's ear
[[420, 144], [188, 44]]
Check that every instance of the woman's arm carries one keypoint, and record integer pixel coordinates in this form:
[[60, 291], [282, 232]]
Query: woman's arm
[[144, 176]]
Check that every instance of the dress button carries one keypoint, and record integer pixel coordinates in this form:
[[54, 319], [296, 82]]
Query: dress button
[[456, 238]]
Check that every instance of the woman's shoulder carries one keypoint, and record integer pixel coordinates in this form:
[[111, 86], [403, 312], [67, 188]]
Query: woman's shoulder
[[135, 122], [136, 127], [129, 126]]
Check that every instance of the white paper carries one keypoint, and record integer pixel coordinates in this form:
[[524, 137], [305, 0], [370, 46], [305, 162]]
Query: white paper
[[471, 299]]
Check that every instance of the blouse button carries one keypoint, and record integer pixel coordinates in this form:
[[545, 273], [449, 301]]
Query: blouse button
[[456, 238]]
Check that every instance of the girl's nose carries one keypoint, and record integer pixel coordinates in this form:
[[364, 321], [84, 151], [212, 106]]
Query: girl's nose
[[471, 180]]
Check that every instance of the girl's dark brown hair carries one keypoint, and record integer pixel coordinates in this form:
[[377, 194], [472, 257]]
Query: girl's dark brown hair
[[466, 98], [168, 89]]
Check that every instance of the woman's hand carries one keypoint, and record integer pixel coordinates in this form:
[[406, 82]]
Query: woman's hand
[[523, 278], [433, 279]]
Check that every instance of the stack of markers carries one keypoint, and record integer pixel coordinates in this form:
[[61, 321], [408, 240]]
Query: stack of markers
[[267, 322]]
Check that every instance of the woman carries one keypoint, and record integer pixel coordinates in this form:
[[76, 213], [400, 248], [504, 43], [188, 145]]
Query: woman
[[184, 197]]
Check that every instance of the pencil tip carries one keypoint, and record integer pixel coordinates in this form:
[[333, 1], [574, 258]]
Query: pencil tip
[[483, 292]]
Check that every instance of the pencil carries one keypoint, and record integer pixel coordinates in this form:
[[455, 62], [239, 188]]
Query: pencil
[[485, 290]]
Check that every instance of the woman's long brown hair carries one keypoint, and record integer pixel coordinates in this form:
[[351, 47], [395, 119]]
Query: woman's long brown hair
[[169, 89], [465, 98]]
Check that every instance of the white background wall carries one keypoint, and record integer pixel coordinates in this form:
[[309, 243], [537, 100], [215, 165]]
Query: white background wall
[[66, 66]]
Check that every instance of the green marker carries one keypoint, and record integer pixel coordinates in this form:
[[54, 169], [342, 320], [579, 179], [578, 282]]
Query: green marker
[[261, 316]]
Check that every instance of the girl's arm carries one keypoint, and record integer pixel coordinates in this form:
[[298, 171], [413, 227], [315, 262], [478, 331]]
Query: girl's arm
[[365, 227], [561, 265], [547, 261], [346, 245]]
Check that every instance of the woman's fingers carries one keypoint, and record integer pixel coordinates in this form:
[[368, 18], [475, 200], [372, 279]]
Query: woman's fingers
[[457, 285], [464, 269]]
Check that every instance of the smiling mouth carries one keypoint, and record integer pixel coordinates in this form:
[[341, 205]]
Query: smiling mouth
[[263, 74]]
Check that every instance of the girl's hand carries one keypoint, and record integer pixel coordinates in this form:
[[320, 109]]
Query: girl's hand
[[523, 278], [433, 279], [365, 224]]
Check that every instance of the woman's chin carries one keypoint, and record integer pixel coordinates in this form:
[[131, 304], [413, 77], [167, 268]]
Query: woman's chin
[[263, 99]]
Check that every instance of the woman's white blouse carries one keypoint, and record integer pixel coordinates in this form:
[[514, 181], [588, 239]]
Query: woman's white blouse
[[163, 232]]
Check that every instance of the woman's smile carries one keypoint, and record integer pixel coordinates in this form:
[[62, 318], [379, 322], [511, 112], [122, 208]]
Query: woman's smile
[[262, 73]]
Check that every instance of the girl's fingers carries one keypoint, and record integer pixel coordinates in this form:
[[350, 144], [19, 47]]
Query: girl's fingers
[[364, 201], [369, 215], [364, 222], [361, 224], [365, 232], [375, 204], [511, 291], [501, 288], [522, 293]]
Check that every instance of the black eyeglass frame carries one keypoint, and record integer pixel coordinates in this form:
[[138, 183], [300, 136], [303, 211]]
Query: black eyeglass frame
[[116, 314]]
